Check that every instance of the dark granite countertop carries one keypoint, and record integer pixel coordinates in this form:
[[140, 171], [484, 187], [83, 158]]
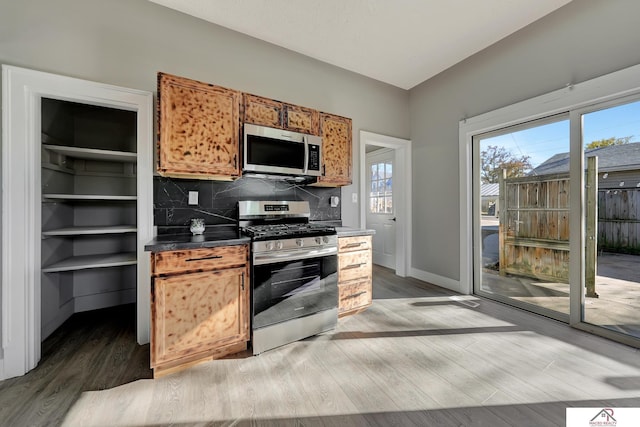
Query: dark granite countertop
[[351, 232], [225, 236]]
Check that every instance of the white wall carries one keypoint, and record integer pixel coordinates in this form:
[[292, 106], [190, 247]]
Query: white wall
[[125, 43], [580, 41]]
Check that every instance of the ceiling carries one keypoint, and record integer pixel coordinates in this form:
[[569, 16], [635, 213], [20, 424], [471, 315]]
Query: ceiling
[[400, 42]]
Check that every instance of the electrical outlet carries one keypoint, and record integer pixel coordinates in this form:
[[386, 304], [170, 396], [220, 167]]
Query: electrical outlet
[[354, 197], [193, 197]]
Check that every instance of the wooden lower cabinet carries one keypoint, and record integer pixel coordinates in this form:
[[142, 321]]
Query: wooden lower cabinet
[[198, 313], [354, 274]]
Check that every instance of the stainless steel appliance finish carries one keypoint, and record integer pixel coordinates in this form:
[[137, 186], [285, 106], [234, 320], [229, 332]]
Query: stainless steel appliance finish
[[277, 151], [293, 330], [293, 273]]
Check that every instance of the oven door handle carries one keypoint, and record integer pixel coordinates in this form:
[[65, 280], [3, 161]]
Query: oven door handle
[[292, 255]]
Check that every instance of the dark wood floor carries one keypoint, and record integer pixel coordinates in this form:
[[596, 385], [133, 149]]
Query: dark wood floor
[[95, 350], [420, 355]]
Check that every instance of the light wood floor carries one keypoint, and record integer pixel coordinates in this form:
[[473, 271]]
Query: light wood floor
[[419, 356]]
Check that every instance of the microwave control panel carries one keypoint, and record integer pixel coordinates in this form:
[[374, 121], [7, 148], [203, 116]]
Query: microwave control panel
[[314, 157]]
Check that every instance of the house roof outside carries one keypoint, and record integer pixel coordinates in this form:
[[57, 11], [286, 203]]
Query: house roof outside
[[488, 190], [611, 158]]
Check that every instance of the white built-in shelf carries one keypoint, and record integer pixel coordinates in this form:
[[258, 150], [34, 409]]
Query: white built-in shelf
[[83, 262], [92, 153], [85, 231], [89, 197]]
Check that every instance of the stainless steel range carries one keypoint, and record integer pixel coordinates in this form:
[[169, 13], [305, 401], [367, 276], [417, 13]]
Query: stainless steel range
[[293, 272]]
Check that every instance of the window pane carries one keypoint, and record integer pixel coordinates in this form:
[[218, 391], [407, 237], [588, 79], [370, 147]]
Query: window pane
[[374, 172], [389, 204], [389, 186], [388, 170], [372, 205]]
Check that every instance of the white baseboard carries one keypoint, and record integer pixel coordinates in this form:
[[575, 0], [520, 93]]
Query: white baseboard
[[104, 300], [443, 282]]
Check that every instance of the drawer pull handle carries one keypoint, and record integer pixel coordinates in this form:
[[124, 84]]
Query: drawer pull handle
[[354, 245], [351, 266], [357, 294], [204, 258]]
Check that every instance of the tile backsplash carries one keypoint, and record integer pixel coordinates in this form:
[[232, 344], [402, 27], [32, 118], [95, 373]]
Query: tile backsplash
[[218, 201]]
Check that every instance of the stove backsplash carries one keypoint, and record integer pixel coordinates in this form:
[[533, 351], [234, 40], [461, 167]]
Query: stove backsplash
[[218, 201]]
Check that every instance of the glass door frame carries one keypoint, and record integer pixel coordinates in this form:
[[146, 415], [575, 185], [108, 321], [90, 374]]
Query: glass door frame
[[614, 88], [578, 220], [477, 228]]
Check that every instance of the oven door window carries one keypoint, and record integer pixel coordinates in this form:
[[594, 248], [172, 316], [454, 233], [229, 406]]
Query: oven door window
[[292, 289]]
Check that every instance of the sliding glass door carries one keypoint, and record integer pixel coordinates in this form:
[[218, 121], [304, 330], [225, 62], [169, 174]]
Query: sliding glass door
[[611, 140], [522, 215], [556, 193]]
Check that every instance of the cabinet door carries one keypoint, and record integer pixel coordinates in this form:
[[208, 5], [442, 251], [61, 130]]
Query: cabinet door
[[301, 119], [199, 129], [194, 313], [336, 150], [262, 111]]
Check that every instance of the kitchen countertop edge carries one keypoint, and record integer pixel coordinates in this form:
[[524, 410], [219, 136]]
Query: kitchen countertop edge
[[353, 232]]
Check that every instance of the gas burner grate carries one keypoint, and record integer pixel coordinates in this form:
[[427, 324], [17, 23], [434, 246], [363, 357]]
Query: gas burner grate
[[286, 230]]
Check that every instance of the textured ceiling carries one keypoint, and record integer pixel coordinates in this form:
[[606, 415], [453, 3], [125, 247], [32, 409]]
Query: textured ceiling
[[400, 42]]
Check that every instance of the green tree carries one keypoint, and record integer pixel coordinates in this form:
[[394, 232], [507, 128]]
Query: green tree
[[493, 159], [608, 142]]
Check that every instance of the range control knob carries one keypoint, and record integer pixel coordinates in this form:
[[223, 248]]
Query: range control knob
[[278, 245], [300, 242], [325, 239], [270, 246], [319, 240]]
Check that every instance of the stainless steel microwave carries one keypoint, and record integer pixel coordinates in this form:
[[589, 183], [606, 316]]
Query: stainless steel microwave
[[277, 151]]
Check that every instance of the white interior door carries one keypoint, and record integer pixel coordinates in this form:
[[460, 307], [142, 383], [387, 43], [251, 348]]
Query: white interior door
[[380, 207]]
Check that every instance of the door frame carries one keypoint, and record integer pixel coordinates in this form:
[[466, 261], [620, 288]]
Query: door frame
[[402, 149], [22, 91]]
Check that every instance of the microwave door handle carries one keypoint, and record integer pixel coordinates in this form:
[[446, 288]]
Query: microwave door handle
[[306, 155]]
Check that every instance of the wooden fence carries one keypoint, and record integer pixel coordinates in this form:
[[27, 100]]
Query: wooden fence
[[619, 220], [534, 227]]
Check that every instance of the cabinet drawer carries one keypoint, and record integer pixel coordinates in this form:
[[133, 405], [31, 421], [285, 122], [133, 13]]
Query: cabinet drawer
[[356, 243], [199, 259], [354, 265], [354, 295]]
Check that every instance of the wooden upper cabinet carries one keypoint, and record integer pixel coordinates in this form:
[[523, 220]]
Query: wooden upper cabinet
[[262, 111], [198, 129], [279, 115], [301, 119], [336, 150]]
